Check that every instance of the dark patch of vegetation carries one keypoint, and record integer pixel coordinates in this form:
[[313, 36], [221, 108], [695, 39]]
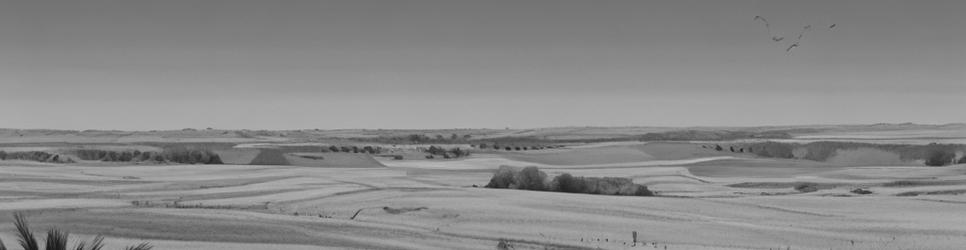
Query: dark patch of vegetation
[[940, 192], [861, 191], [57, 239], [531, 178], [190, 156], [312, 157], [270, 156], [400, 210], [804, 187], [337, 149]]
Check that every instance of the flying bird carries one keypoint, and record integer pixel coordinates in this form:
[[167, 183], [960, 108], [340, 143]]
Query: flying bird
[[804, 29], [789, 49], [777, 38], [762, 19], [830, 27]]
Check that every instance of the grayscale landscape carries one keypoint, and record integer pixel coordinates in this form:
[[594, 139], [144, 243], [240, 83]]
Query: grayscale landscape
[[417, 124]]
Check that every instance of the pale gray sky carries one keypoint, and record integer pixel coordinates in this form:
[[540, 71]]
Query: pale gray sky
[[129, 64]]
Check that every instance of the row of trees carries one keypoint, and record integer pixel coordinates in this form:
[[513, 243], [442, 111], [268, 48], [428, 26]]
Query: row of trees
[[353, 149], [170, 154], [531, 178], [38, 156]]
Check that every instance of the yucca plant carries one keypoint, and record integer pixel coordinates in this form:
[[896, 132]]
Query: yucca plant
[[96, 244], [142, 246], [57, 239], [27, 240]]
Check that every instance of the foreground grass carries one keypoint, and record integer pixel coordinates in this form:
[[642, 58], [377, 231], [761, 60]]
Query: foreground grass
[[57, 239]]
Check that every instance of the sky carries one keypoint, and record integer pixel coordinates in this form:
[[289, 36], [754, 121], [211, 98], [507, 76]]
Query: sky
[[141, 65]]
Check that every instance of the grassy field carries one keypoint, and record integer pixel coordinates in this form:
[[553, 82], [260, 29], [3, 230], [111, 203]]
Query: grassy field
[[706, 199]]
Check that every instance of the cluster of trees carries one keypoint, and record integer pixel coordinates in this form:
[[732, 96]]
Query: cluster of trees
[[720, 135], [38, 156], [353, 149], [932, 154], [170, 154], [531, 178], [455, 152]]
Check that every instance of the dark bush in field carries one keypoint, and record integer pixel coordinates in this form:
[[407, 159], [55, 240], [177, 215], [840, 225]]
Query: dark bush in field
[[531, 178]]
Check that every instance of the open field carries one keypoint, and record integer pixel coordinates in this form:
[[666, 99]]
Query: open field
[[706, 199]]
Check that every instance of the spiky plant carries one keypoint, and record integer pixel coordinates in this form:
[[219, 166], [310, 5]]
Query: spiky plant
[[27, 240], [96, 244], [142, 246], [56, 239]]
